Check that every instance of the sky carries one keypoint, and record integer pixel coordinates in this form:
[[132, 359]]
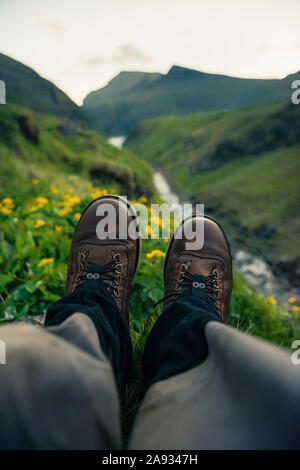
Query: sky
[[82, 44]]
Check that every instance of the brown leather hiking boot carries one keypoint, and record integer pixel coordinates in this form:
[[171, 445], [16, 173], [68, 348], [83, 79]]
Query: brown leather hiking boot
[[118, 258], [208, 268]]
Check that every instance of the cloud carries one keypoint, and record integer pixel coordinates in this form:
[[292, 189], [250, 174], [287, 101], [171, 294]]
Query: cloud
[[127, 52], [190, 33], [54, 25], [95, 61]]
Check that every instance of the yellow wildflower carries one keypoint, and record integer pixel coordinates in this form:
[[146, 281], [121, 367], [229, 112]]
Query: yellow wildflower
[[157, 221], [70, 201], [77, 216], [5, 210], [148, 230], [58, 228], [45, 261], [54, 189], [292, 300], [35, 181], [296, 308], [64, 211], [272, 301], [39, 202], [74, 200], [39, 223], [143, 199], [6, 205], [158, 253], [96, 193], [7, 201]]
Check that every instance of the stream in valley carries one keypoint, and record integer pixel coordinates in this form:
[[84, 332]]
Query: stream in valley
[[254, 268]]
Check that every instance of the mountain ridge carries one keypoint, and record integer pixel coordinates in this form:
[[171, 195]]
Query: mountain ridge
[[116, 108], [25, 87]]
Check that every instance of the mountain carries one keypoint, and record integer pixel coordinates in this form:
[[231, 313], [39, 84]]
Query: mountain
[[134, 96], [243, 164], [26, 87], [117, 107], [119, 87]]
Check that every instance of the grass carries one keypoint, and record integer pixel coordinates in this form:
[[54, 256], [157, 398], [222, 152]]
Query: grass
[[247, 190], [173, 140], [74, 160], [257, 193]]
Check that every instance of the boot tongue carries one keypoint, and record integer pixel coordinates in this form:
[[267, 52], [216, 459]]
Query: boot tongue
[[93, 272], [93, 276], [198, 285]]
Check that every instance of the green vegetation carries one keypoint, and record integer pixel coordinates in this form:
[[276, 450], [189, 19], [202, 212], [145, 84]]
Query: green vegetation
[[27, 88], [60, 151], [243, 164], [134, 96]]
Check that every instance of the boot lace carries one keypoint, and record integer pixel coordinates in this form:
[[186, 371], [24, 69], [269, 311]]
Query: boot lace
[[185, 281], [110, 272]]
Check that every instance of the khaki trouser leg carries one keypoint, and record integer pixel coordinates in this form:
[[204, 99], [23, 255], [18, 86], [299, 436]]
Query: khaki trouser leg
[[57, 388], [245, 395]]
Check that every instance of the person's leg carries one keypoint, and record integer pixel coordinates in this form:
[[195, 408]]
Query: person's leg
[[58, 386], [92, 299], [245, 395], [211, 387]]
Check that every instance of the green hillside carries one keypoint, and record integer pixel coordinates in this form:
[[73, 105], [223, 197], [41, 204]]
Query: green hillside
[[133, 96], [27, 88], [244, 164], [60, 151]]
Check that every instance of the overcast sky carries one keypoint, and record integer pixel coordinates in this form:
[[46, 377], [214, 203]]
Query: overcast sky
[[81, 44]]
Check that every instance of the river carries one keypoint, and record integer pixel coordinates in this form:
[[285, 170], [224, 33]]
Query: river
[[254, 268]]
